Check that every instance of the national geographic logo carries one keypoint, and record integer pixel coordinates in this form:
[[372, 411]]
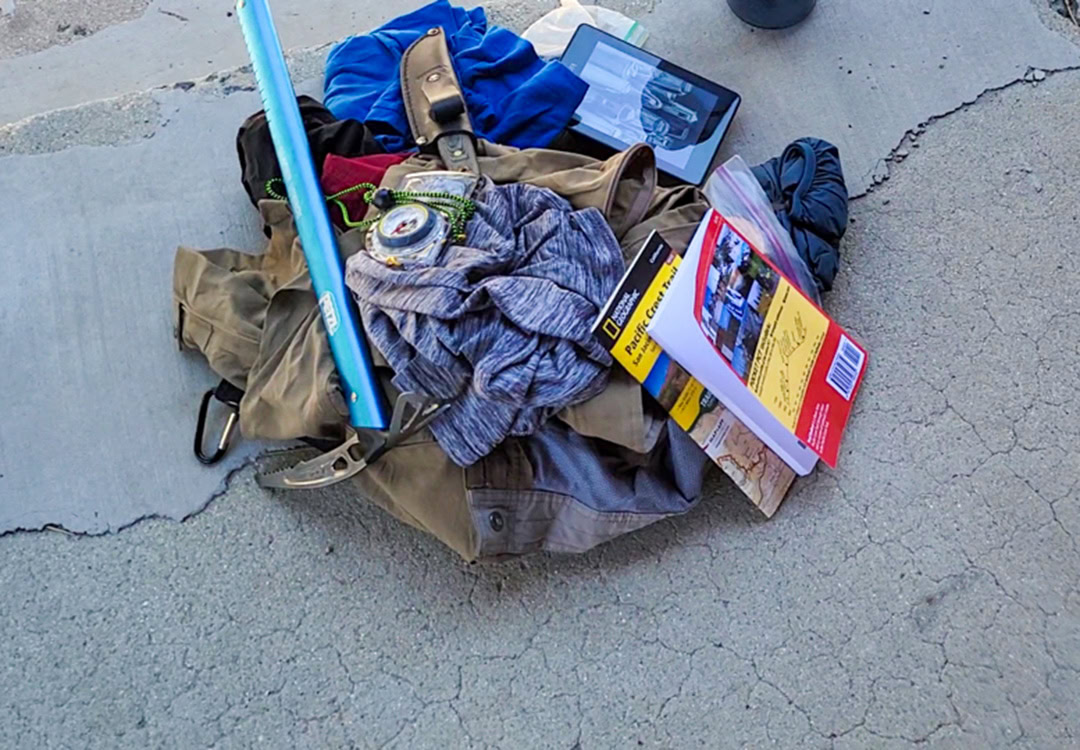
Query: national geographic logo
[[613, 326]]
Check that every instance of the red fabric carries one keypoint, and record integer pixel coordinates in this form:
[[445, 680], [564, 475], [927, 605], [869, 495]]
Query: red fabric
[[340, 173]]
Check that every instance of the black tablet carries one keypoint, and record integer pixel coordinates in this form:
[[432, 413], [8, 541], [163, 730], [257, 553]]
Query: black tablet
[[636, 97]]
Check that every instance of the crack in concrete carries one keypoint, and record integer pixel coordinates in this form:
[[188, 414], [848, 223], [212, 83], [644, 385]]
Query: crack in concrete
[[223, 489], [882, 170]]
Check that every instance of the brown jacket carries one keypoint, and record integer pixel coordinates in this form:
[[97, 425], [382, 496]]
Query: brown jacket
[[255, 319]]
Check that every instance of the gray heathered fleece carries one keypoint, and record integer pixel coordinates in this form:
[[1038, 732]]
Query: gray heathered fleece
[[500, 327]]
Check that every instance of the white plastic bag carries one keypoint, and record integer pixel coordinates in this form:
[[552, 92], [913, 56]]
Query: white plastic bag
[[733, 190], [551, 34]]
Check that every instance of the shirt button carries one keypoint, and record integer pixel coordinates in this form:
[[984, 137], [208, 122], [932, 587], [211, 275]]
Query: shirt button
[[495, 520]]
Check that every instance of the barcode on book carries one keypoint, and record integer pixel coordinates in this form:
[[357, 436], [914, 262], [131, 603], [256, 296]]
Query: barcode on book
[[846, 365]]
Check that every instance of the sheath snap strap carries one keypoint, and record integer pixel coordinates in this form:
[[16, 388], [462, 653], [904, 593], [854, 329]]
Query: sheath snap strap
[[435, 104]]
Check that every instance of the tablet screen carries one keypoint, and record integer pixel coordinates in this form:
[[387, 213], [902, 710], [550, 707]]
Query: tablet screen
[[635, 97]]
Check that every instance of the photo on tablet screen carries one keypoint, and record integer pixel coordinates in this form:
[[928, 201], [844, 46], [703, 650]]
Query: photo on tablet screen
[[635, 97], [637, 102]]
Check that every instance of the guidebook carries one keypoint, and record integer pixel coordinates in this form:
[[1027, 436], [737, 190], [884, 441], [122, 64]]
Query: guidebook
[[755, 340], [621, 327]]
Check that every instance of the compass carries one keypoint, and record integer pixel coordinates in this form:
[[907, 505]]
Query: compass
[[409, 232]]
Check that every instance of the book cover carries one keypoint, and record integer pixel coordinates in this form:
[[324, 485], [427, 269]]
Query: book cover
[[748, 333], [761, 475]]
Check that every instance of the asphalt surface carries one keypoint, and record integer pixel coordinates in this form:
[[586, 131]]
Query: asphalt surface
[[925, 593]]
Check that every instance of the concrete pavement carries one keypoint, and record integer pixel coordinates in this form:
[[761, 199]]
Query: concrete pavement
[[146, 171], [925, 593]]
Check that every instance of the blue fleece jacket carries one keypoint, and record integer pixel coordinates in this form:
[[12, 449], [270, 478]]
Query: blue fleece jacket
[[513, 96]]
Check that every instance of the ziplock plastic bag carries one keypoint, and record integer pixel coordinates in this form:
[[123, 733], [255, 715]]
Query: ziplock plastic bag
[[551, 34], [733, 190]]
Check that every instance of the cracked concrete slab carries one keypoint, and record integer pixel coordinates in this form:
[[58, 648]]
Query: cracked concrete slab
[[926, 594], [129, 166], [172, 40], [100, 433], [858, 74]]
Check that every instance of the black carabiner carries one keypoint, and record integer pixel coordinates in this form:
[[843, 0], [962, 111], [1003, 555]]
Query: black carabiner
[[229, 395]]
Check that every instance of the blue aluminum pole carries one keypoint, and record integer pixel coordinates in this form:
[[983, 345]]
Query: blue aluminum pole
[[367, 408]]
